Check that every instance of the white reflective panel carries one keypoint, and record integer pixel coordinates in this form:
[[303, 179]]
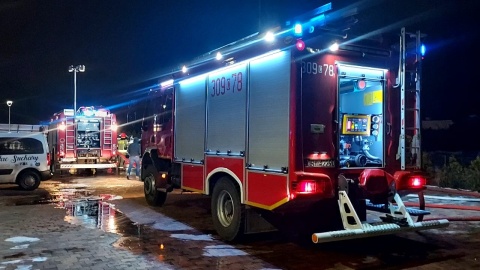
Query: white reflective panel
[[269, 111], [190, 119], [226, 110]]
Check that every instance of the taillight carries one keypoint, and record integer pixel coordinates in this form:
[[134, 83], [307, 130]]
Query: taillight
[[307, 183], [49, 161], [307, 187], [409, 182], [416, 182], [310, 187]]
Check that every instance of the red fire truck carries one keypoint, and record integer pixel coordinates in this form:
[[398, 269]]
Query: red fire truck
[[86, 139], [304, 122]]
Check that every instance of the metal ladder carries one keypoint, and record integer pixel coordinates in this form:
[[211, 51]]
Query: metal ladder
[[107, 133], [70, 138], [410, 86]]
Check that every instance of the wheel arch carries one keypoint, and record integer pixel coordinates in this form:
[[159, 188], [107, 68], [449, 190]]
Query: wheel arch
[[216, 174]]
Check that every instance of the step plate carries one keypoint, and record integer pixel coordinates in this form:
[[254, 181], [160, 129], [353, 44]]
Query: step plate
[[376, 229], [381, 208]]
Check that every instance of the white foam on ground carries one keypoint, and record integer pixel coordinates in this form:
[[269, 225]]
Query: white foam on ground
[[24, 267], [24, 246], [12, 262], [21, 239], [39, 259], [150, 217], [222, 251], [183, 236]]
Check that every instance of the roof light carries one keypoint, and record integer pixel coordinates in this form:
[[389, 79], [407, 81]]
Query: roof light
[[334, 47], [269, 37], [184, 69], [300, 45], [166, 83], [298, 29], [423, 49], [219, 56], [101, 113]]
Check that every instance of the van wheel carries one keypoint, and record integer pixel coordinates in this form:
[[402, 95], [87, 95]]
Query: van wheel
[[227, 212], [153, 196], [29, 180]]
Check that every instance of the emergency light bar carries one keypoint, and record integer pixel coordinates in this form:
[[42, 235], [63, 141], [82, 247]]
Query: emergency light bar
[[91, 112]]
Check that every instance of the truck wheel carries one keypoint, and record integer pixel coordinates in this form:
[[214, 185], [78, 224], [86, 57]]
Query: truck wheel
[[227, 212], [29, 180], [152, 195]]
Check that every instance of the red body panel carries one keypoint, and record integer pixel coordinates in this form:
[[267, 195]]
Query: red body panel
[[266, 190], [192, 177], [234, 164]]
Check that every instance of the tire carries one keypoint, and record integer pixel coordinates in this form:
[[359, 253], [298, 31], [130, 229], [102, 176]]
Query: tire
[[228, 214], [152, 195], [28, 180]]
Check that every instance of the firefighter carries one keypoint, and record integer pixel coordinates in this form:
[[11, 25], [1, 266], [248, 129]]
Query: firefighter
[[134, 153], [122, 143]]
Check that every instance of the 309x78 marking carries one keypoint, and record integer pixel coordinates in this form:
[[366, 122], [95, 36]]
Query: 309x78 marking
[[315, 68], [221, 85]]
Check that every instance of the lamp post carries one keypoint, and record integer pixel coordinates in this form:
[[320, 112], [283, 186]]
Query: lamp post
[[75, 69], [9, 104]]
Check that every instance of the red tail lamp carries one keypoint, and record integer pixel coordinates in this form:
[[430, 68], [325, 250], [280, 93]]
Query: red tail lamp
[[409, 182], [311, 187]]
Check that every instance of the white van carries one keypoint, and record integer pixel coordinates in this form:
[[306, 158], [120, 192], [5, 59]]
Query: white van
[[24, 159]]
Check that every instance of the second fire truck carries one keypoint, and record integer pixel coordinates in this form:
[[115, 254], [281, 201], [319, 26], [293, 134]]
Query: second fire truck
[[86, 139], [304, 122]]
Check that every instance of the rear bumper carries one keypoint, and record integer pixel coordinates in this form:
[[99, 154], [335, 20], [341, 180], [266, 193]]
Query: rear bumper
[[46, 175], [377, 229]]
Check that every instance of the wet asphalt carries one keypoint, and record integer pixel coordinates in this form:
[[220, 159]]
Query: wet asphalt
[[103, 222]]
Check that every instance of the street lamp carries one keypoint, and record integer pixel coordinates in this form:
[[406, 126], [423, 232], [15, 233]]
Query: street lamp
[[9, 104], [79, 68]]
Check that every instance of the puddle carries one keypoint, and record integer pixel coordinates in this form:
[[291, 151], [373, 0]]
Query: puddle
[[96, 212], [143, 232]]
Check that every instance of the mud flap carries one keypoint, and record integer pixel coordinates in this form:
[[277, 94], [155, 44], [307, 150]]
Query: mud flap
[[255, 223]]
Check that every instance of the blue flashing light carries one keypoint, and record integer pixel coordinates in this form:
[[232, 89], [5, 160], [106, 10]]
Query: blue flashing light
[[298, 29], [423, 49]]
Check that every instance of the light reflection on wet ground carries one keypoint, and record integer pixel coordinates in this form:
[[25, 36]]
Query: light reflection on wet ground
[[146, 231], [170, 241]]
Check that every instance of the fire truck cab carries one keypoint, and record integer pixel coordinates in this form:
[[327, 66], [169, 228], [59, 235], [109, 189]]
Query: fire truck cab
[[86, 139], [300, 120]]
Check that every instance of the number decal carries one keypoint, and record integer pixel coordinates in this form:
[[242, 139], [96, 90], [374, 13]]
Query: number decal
[[221, 85], [313, 68]]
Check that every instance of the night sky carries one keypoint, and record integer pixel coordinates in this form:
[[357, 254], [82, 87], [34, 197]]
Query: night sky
[[126, 45]]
